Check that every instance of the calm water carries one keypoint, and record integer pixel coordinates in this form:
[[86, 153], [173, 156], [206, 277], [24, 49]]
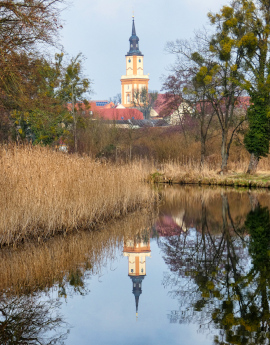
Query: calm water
[[197, 272]]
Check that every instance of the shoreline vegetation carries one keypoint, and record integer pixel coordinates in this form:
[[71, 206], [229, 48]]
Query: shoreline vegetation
[[44, 193], [192, 173]]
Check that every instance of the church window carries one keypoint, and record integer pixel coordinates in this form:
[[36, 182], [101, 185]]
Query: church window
[[131, 270], [142, 270], [129, 60], [128, 87], [128, 98], [140, 60]]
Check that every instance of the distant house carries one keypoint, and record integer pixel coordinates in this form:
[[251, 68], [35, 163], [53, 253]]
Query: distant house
[[172, 108]]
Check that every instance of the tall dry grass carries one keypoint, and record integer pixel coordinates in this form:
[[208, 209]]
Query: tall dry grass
[[189, 169], [43, 192]]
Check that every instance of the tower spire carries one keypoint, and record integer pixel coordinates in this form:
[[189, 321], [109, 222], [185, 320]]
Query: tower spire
[[134, 41], [133, 26]]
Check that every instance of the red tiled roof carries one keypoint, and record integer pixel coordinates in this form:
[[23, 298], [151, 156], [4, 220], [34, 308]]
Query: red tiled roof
[[92, 106], [120, 114]]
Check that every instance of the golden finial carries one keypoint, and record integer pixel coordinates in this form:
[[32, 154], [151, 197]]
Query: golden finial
[[133, 14]]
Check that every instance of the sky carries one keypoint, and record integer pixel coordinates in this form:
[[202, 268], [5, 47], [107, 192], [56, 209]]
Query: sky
[[100, 30]]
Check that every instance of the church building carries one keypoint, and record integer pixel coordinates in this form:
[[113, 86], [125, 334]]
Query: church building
[[134, 80]]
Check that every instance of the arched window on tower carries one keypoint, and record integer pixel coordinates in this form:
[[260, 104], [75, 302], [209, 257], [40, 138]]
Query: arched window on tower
[[128, 98]]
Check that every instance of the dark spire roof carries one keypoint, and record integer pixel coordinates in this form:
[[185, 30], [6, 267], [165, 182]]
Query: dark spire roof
[[133, 28], [137, 289], [134, 42]]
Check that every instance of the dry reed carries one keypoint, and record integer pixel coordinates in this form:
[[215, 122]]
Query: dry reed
[[43, 192], [190, 171]]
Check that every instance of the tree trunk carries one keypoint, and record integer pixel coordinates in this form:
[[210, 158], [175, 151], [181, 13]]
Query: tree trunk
[[253, 164], [254, 203], [224, 154], [203, 150], [75, 137]]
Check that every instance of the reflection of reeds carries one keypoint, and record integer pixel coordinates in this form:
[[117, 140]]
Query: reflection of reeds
[[44, 192], [31, 268], [190, 203]]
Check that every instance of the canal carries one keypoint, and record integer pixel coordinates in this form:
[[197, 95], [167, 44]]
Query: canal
[[195, 271]]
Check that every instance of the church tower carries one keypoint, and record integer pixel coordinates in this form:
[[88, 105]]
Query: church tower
[[134, 80]]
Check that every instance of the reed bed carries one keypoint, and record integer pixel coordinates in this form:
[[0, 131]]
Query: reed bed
[[43, 192], [31, 268], [190, 171]]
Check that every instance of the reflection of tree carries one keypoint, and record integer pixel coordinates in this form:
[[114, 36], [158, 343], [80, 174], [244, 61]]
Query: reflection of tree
[[74, 282], [30, 320], [215, 281]]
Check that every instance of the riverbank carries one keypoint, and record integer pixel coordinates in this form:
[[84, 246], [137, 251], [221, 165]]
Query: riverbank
[[44, 193], [193, 175]]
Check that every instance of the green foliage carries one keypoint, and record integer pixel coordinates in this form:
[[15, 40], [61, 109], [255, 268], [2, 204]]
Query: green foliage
[[242, 30], [39, 114], [73, 85], [258, 224], [258, 135], [73, 90]]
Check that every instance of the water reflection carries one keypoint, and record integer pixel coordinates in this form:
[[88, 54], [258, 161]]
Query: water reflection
[[28, 320], [211, 247], [220, 271], [36, 280], [137, 249]]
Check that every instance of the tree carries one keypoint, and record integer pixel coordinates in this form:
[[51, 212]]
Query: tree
[[185, 96], [144, 101], [242, 30], [116, 99], [216, 76], [73, 90], [24, 24], [38, 113]]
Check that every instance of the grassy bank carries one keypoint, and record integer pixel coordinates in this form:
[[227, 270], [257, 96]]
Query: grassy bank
[[43, 192], [192, 173]]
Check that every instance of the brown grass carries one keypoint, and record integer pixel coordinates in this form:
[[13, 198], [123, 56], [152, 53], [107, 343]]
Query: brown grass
[[43, 192], [189, 171]]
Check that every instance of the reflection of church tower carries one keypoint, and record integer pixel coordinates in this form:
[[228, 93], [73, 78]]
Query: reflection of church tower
[[134, 80], [137, 251]]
